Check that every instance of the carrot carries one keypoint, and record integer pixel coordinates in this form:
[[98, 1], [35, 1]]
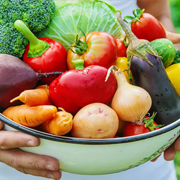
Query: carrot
[[173, 37], [30, 116], [61, 124], [35, 97]]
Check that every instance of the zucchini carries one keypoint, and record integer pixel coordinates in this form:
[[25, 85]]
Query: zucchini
[[166, 50]]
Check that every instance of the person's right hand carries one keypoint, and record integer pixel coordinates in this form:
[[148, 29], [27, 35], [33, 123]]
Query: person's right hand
[[25, 162]]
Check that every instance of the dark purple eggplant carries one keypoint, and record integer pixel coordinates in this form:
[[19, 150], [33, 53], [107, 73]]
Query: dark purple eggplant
[[15, 77], [148, 72]]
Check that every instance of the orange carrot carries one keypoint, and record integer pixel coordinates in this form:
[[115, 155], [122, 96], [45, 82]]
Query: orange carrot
[[30, 116], [61, 124], [35, 97]]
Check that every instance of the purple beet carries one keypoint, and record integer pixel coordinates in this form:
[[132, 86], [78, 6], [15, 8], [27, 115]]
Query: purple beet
[[15, 77]]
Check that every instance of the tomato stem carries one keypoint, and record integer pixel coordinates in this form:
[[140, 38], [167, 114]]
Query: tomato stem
[[149, 122], [80, 46]]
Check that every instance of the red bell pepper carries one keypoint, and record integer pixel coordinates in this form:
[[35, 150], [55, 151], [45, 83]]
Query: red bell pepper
[[75, 89], [122, 47], [44, 54]]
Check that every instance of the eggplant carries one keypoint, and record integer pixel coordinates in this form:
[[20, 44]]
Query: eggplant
[[148, 72]]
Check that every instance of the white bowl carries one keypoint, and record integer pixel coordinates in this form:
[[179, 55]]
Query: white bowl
[[100, 156]]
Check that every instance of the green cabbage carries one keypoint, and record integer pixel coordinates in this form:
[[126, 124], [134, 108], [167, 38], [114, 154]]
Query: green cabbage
[[89, 16]]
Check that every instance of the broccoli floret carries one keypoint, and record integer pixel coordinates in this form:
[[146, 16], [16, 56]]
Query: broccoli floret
[[36, 14]]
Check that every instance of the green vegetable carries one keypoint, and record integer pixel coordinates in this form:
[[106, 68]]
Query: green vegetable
[[35, 13], [177, 57], [165, 49], [89, 15]]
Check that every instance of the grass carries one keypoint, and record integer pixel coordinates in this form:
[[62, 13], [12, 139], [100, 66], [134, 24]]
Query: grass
[[177, 164]]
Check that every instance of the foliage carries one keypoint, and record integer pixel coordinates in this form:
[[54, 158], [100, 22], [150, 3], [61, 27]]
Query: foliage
[[175, 13], [74, 17]]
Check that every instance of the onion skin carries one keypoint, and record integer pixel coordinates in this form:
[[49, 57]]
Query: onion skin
[[130, 102], [154, 80]]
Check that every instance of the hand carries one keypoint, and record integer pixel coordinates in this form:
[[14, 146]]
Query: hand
[[25, 162], [170, 153]]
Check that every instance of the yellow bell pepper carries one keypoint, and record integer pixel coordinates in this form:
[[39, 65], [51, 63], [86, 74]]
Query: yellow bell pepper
[[173, 72], [121, 63]]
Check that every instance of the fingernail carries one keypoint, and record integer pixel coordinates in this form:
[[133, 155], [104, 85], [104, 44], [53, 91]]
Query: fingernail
[[49, 167], [50, 176], [31, 143]]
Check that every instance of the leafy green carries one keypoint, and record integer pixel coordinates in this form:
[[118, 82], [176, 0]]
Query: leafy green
[[89, 15], [177, 57]]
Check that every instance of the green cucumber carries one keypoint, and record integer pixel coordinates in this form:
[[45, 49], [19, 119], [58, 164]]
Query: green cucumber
[[166, 50]]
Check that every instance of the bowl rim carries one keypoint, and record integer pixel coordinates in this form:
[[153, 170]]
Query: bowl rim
[[67, 139]]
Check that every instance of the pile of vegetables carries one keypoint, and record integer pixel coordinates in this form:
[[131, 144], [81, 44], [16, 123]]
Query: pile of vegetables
[[81, 77]]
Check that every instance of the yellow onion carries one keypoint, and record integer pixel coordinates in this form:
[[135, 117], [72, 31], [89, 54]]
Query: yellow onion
[[130, 102]]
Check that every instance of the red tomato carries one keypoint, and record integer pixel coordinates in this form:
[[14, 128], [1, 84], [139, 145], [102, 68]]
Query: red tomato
[[132, 129], [75, 89], [148, 27], [101, 50], [121, 48], [53, 59]]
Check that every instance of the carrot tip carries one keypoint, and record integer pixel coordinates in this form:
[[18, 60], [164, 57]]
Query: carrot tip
[[14, 99]]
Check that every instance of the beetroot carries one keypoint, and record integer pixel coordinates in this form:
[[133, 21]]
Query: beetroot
[[15, 77]]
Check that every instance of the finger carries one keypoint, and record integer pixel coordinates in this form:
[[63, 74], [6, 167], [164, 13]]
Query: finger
[[21, 159], [1, 124], [42, 173], [177, 144], [170, 153], [15, 139]]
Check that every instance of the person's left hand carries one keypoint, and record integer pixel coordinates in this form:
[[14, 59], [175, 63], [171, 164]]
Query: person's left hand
[[170, 153]]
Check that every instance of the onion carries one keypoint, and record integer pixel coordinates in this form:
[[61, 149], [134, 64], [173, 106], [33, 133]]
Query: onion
[[130, 102]]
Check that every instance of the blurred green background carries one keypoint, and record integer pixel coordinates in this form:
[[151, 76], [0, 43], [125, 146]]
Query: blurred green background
[[175, 13], [175, 16]]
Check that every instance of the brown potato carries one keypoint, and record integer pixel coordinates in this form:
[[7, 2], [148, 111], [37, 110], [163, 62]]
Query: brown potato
[[95, 121]]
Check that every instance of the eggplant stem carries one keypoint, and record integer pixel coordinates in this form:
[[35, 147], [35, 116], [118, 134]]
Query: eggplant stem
[[130, 35]]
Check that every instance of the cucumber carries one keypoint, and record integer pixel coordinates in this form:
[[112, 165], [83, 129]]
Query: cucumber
[[166, 50]]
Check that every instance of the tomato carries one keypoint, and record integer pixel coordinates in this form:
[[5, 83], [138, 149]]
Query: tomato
[[53, 59], [96, 48], [146, 26], [132, 129], [75, 89], [121, 48]]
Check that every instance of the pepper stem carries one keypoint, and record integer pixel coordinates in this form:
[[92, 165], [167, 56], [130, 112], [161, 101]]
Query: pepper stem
[[37, 47]]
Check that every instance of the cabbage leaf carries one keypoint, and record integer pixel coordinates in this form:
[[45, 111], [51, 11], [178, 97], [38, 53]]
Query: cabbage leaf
[[89, 16]]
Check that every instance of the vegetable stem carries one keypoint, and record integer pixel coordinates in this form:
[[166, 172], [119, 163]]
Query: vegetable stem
[[130, 35], [37, 47]]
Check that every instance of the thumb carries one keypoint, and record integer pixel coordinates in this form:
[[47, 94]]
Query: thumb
[[1, 124]]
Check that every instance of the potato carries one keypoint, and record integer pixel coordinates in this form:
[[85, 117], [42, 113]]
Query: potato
[[95, 121]]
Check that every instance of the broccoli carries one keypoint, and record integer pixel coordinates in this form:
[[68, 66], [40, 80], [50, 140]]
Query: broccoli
[[36, 14]]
